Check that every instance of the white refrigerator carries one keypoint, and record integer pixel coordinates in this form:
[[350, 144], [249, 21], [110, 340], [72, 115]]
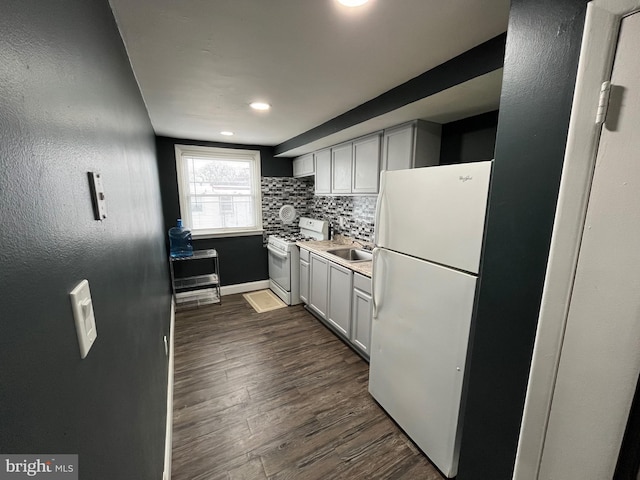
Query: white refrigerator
[[428, 234]]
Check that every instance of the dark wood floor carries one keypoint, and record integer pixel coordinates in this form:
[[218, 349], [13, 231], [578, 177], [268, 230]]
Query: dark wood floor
[[276, 395]]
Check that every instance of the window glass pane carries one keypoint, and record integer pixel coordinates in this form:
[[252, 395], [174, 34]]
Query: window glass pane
[[219, 192], [204, 212], [193, 185]]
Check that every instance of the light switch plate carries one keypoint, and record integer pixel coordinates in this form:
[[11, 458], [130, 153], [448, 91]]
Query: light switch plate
[[84, 317], [97, 196]]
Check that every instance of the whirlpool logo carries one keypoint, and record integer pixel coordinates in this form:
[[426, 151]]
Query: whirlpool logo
[[51, 467]]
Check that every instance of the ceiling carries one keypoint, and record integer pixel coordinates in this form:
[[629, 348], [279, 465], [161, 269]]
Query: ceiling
[[199, 63]]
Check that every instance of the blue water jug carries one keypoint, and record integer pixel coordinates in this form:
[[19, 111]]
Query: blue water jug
[[180, 241]]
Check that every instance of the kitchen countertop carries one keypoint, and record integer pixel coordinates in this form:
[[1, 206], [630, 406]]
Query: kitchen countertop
[[320, 247]]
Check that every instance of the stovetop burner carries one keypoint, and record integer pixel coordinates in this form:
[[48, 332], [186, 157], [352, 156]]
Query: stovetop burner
[[296, 237], [292, 237], [310, 229]]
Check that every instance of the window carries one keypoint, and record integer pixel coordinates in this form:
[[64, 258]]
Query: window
[[219, 190]]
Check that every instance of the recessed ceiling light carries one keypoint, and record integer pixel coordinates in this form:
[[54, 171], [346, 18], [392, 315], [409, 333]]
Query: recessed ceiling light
[[260, 106], [226, 134], [352, 3]]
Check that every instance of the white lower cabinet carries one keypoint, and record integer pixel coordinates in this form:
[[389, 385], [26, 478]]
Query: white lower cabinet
[[338, 296], [362, 310], [318, 285], [305, 257], [340, 287]]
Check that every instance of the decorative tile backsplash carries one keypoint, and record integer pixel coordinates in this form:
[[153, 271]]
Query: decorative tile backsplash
[[358, 212], [279, 191]]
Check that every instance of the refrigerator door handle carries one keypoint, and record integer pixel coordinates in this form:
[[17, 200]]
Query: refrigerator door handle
[[375, 253], [379, 207]]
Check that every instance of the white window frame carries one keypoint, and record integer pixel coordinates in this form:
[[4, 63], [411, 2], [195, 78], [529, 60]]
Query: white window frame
[[182, 151]]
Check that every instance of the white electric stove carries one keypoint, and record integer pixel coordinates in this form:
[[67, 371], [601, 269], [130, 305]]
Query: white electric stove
[[284, 258]]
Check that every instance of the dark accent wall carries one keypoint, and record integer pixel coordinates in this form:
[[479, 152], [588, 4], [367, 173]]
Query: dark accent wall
[[69, 104], [242, 259], [541, 59], [628, 467], [472, 139], [480, 60]]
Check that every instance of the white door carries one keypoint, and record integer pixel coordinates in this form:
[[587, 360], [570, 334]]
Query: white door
[[600, 356], [435, 213], [420, 331]]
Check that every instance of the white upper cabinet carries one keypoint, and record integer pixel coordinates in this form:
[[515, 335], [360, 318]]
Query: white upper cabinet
[[411, 145], [353, 168], [323, 171], [341, 168], [366, 164], [303, 166], [398, 148]]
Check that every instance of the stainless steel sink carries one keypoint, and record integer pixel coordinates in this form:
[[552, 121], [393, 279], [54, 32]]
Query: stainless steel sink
[[351, 254]]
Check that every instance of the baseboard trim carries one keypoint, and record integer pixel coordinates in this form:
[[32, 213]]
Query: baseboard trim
[[168, 442], [244, 287]]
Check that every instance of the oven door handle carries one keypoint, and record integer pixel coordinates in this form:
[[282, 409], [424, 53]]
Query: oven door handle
[[276, 252]]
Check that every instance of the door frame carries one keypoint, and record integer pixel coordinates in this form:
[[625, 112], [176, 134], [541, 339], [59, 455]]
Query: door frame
[[602, 25]]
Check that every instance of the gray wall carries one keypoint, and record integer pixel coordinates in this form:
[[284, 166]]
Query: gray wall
[[482, 59], [542, 49], [242, 259], [472, 139], [69, 104]]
